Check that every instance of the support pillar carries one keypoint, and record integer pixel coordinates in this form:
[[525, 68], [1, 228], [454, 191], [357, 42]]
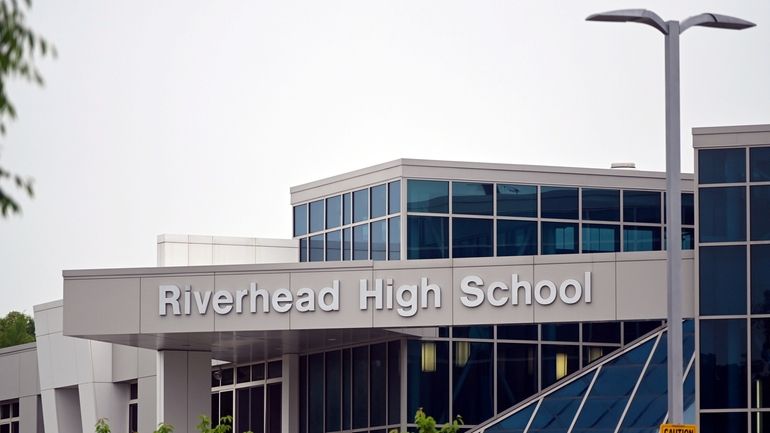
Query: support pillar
[[183, 388], [290, 394]]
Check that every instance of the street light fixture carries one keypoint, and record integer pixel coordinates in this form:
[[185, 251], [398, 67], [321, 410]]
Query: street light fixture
[[671, 30]]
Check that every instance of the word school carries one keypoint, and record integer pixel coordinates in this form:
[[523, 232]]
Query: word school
[[406, 299]]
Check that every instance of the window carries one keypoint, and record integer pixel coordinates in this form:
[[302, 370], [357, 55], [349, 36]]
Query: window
[[559, 202], [378, 232], [394, 238], [333, 397], [688, 208], [598, 238], [361, 242], [561, 331], [377, 384], [688, 238], [347, 209], [601, 204], [722, 214], [133, 408], [333, 246], [300, 220], [604, 332], [333, 212], [316, 216], [759, 158], [721, 166], [760, 362], [360, 205], [428, 378], [722, 280], [641, 238], [517, 332], [559, 238], [347, 253], [360, 387], [517, 200], [760, 279], [558, 362], [472, 198], [471, 237], [725, 422], [760, 213], [473, 382], [723, 372], [641, 206], [427, 237], [303, 250], [516, 238], [394, 197], [427, 196], [317, 248], [379, 202]]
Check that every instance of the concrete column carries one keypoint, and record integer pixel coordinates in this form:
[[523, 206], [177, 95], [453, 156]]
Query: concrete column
[[184, 388], [290, 394], [148, 404], [31, 414], [104, 400]]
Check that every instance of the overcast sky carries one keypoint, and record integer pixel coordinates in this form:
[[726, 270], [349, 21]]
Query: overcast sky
[[197, 116]]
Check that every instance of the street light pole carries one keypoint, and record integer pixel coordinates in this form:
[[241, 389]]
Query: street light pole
[[671, 31]]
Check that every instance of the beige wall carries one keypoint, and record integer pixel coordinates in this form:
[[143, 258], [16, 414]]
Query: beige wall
[[193, 250]]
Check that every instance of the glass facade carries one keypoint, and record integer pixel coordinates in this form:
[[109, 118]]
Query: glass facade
[[733, 259], [625, 392], [250, 393], [9, 416]]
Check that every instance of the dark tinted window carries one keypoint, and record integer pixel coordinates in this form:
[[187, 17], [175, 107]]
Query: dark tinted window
[[378, 233], [516, 238], [760, 361], [347, 253], [722, 165], [560, 331], [641, 238], [377, 384], [759, 158], [361, 242], [347, 209], [688, 238], [471, 237], [427, 237], [560, 238], [360, 387], [641, 206], [394, 382], [333, 212], [722, 214], [303, 250], [379, 201], [728, 422], [760, 213], [274, 369], [517, 200], [558, 362], [394, 238], [300, 220], [760, 279], [360, 205], [688, 208], [472, 198], [723, 372], [634, 330], [427, 196], [394, 197], [317, 248], [723, 280], [472, 331], [333, 246], [472, 374], [559, 202], [605, 332], [316, 216], [517, 332], [428, 378], [601, 204], [599, 238]]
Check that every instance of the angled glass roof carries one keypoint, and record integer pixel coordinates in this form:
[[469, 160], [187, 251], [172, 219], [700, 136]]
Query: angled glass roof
[[625, 392]]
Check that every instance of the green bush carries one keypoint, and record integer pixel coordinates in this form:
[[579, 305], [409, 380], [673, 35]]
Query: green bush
[[426, 424]]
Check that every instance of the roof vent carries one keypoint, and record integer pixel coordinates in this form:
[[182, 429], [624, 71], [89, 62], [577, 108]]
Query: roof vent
[[627, 165]]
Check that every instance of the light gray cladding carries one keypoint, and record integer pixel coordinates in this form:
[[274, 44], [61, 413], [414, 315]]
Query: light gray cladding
[[624, 286]]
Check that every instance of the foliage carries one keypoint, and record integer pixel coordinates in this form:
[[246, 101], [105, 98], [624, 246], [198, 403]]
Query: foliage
[[102, 426], [164, 428], [224, 425], [16, 328], [426, 424], [19, 46]]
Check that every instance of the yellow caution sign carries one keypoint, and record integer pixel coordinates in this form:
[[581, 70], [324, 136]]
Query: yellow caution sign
[[678, 428]]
